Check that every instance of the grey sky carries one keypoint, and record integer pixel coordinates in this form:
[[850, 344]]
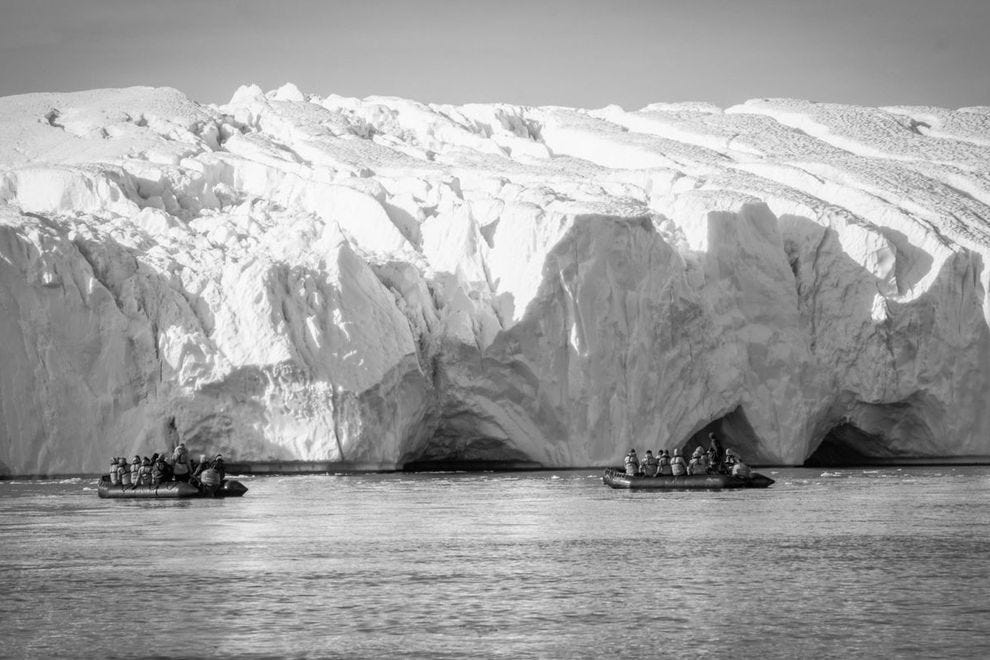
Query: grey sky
[[579, 53]]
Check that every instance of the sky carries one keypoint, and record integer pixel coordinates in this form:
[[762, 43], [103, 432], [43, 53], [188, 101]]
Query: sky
[[581, 53]]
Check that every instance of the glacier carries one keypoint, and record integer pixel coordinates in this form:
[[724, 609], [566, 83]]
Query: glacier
[[381, 283]]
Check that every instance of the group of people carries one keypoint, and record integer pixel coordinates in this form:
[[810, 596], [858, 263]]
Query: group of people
[[703, 461], [175, 465]]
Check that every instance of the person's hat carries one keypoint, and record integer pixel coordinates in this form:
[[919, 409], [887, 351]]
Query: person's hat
[[677, 452]]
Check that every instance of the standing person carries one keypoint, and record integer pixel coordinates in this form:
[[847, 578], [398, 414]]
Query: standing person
[[632, 463], [181, 465], [715, 446], [677, 465]]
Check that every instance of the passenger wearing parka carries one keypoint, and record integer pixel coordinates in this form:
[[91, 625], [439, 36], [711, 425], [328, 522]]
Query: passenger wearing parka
[[632, 463], [648, 466], [136, 471], [677, 465], [123, 472], [181, 465]]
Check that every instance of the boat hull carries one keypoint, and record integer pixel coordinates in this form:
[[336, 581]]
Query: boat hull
[[619, 479], [168, 490]]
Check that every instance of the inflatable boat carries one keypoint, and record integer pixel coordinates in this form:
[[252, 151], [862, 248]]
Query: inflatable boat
[[619, 479], [168, 490]]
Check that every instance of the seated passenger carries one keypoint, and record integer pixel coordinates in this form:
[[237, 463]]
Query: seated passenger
[[728, 462], [663, 461], [144, 472], [201, 465], [699, 462], [136, 471], [677, 465], [648, 466], [114, 476], [218, 465], [632, 463], [740, 469], [123, 472], [158, 470], [210, 481]]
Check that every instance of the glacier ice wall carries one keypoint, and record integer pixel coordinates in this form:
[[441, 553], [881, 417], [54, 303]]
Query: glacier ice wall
[[380, 282]]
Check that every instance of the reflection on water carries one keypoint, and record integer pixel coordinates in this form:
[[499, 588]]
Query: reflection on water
[[547, 564]]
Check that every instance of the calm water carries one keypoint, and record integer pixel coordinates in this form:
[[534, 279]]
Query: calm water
[[860, 563]]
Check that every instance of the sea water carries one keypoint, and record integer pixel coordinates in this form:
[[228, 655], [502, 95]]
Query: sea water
[[891, 562]]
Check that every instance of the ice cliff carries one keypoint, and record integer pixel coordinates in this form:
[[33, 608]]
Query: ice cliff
[[381, 282]]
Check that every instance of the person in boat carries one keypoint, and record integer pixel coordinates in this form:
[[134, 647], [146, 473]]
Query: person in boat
[[159, 471], [715, 447], [181, 465], [144, 473], [632, 463], [677, 465], [123, 472], [699, 462], [114, 475], [210, 480], [219, 466], [136, 470], [741, 470], [648, 466], [729, 460], [201, 465], [663, 461], [166, 458]]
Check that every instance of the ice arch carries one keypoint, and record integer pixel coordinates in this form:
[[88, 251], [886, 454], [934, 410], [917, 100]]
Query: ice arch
[[844, 445], [734, 432]]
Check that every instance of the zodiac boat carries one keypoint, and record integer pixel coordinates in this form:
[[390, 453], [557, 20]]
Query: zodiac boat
[[619, 479], [168, 490]]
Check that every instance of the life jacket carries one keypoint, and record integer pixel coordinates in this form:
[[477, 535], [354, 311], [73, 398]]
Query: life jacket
[[158, 469], [144, 475], [677, 466], [114, 477], [124, 475], [181, 465], [740, 469], [135, 473]]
